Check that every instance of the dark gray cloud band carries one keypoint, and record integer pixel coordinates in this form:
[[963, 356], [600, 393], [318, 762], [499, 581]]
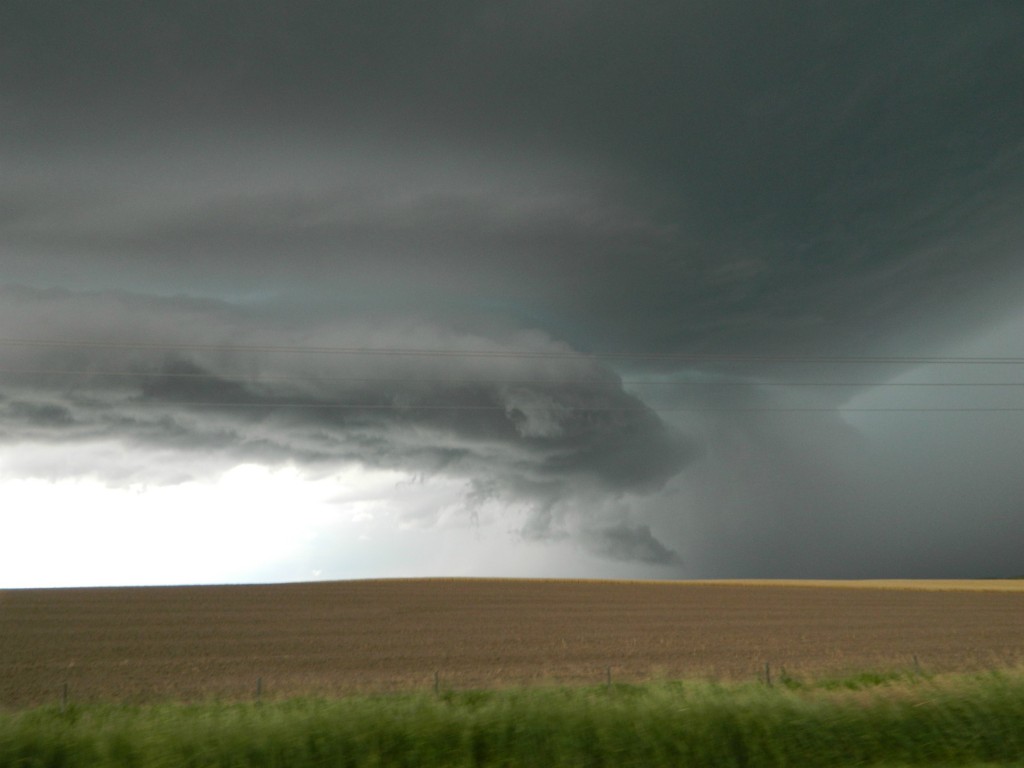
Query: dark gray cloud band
[[530, 422]]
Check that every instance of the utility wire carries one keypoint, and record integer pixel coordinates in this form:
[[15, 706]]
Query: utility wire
[[563, 408], [590, 380], [591, 409], [569, 356], [574, 356]]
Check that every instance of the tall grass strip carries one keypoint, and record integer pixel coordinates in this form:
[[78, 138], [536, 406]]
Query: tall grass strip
[[897, 721]]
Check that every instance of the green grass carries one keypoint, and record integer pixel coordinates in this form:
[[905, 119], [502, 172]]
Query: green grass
[[873, 720]]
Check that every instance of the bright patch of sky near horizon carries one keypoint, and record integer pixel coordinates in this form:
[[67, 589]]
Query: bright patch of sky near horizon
[[251, 523], [259, 524]]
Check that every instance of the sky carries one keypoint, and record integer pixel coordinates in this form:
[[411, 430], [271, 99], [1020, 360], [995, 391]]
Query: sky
[[698, 289]]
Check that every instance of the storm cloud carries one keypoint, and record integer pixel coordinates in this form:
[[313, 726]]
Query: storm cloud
[[552, 419], [647, 272]]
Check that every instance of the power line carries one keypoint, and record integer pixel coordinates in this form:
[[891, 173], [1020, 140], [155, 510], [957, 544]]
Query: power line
[[559, 407], [451, 381], [521, 354], [461, 381]]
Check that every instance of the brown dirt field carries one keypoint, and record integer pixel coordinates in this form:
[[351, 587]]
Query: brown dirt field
[[140, 644]]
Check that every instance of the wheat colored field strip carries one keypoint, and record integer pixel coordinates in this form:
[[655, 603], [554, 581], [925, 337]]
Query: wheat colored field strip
[[330, 638], [931, 585]]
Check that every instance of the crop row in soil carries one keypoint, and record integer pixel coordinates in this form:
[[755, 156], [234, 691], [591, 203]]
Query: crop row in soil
[[331, 638]]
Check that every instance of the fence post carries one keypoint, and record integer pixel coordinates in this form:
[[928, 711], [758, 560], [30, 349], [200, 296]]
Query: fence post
[[64, 697], [767, 674], [259, 690], [608, 678], [437, 683]]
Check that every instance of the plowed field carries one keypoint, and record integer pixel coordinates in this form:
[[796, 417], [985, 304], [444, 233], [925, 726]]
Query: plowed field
[[137, 644]]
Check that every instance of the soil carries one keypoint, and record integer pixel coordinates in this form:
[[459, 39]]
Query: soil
[[335, 638]]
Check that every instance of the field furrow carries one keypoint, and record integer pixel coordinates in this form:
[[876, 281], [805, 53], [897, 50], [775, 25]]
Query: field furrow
[[143, 644]]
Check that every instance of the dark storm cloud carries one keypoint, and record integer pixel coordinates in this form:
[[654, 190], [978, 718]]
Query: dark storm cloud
[[39, 414], [561, 433], [529, 428], [632, 543], [756, 179], [771, 177]]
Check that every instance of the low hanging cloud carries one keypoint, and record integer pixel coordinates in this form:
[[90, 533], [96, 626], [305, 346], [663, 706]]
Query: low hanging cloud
[[528, 420], [632, 543]]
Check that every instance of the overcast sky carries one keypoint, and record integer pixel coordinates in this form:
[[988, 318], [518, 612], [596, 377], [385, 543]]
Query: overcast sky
[[302, 290]]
